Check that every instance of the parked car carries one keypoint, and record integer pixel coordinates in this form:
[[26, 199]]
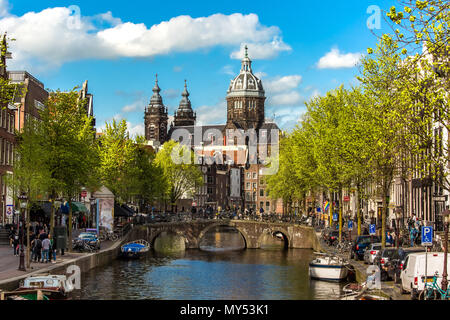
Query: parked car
[[87, 238], [382, 259], [371, 252], [395, 264], [360, 245], [413, 274]]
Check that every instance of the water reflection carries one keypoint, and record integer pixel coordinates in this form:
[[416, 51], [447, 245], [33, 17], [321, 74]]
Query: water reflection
[[221, 239], [248, 274]]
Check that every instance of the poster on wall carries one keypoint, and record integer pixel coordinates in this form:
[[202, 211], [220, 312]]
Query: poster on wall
[[106, 213], [9, 210]]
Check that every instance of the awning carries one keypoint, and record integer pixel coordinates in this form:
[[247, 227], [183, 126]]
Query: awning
[[121, 212], [76, 207]]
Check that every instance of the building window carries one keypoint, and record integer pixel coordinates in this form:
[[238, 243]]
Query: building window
[[247, 196], [267, 205], [255, 176], [248, 175], [261, 192], [254, 186], [210, 190], [248, 186], [261, 204], [210, 179]]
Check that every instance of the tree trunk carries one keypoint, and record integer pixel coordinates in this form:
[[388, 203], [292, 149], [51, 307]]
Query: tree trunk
[[383, 219], [331, 209], [358, 207], [27, 228], [341, 202]]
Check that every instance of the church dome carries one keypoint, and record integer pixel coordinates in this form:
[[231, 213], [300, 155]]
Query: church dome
[[246, 83]]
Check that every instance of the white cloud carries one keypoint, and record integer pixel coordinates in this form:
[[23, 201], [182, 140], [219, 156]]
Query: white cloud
[[286, 117], [216, 114], [335, 60], [228, 69], [280, 84], [262, 50], [290, 98], [52, 38], [135, 129]]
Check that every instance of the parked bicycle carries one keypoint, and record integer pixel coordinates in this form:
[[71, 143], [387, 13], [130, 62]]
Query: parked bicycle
[[432, 289], [108, 235]]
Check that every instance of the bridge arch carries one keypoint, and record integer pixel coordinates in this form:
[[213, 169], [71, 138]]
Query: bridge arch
[[153, 236], [272, 230], [227, 224]]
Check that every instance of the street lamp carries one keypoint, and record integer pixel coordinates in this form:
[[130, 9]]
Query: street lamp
[[446, 216], [23, 205]]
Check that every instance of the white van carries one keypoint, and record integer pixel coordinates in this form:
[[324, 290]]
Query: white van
[[414, 269]]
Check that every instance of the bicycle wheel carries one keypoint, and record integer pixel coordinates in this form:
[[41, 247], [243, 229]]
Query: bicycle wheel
[[114, 237]]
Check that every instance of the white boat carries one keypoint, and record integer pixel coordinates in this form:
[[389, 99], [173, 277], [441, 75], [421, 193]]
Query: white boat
[[329, 268], [56, 286]]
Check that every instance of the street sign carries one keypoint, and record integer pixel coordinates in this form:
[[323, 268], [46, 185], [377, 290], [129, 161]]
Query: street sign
[[350, 225], [335, 217], [427, 236], [194, 204], [346, 198], [84, 194], [372, 229]]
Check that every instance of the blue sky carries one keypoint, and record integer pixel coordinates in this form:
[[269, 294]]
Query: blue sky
[[299, 49]]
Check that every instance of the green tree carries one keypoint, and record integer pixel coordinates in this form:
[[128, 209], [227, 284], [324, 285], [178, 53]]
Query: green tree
[[180, 172], [70, 157], [118, 152]]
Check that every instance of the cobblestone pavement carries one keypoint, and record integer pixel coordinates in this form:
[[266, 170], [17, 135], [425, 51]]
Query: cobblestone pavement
[[9, 263]]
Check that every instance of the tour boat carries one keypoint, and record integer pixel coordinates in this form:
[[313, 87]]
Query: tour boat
[[55, 286], [327, 267], [134, 249]]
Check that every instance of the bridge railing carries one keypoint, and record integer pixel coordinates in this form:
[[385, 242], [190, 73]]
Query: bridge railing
[[166, 217]]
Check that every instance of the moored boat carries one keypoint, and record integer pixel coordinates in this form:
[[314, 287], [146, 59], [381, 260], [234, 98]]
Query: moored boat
[[328, 268], [55, 286], [134, 249]]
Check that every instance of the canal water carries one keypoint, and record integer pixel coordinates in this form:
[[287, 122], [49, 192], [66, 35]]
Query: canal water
[[221, 270]]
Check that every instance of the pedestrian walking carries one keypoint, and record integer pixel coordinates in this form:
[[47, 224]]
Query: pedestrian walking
[[45, 249]]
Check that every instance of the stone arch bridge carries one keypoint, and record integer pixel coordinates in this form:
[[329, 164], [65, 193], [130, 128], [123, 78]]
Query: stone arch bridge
[[295, 236]]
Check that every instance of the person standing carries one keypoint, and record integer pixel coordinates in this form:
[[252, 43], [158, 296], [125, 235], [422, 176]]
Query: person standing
[[16, 243], [45, 249]]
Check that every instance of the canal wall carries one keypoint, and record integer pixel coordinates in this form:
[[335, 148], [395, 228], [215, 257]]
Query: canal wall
[[85, 262]]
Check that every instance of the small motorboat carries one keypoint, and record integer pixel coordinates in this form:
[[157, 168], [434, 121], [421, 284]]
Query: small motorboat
[[55, 286], [328, 267], [134, 249]]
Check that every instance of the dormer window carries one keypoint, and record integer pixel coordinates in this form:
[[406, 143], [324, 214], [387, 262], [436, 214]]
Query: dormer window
[[239, 84]]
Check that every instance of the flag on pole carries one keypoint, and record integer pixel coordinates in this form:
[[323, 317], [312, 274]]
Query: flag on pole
[[326, 206]]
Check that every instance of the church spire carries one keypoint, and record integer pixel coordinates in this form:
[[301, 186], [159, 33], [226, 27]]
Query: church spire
[[246, 62], [156, 98]]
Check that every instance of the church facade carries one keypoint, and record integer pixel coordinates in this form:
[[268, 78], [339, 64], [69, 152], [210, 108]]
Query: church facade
[[232, 156]]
